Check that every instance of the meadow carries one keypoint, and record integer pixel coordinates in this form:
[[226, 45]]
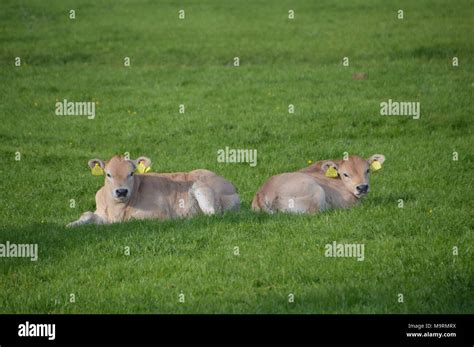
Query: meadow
[[241, 262]]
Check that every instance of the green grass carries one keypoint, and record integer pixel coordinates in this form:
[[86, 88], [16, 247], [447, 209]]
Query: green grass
[[408, 251]]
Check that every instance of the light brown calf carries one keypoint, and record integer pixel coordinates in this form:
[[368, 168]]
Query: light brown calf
[[310, 191], [126, 195]]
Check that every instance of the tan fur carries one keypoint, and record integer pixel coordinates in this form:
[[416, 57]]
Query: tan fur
[[310, 191], [318, 166], [157, 195]]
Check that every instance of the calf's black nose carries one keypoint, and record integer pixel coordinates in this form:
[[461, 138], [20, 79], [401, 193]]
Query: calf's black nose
[[121, 192], [362, 188]]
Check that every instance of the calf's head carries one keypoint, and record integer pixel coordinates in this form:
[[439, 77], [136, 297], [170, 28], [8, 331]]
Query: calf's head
[[353, 172], [119, 175]]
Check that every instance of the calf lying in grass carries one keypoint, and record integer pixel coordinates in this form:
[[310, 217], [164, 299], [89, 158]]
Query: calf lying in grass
[[126, 195], [323, 185]]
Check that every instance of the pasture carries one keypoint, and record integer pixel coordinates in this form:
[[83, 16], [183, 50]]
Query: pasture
[[239, 262]]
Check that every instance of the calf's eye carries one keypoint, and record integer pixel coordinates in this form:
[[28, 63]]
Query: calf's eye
[[109, 175], [345, 175]]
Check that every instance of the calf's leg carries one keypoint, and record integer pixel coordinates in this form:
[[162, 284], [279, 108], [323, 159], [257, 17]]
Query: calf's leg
[[87, 218], [205, 198]]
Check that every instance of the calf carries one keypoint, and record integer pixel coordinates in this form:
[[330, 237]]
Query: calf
[[310, 190], [126, 195]]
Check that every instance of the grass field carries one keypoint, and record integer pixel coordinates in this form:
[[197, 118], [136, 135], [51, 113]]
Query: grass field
[[408, 250]]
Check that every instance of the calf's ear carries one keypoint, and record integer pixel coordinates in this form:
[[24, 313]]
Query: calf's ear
[[145, 160], [142, 164], [97, 167], [329, 168], [375, 162], [93, 162], [376, 157]]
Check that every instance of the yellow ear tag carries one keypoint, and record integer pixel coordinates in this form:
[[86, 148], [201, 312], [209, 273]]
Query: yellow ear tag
[[375, 166], [141, 168], [331, 172], [97, 170]]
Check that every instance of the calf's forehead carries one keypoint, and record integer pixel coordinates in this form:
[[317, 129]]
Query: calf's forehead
[[119, 164], [356, 164]]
